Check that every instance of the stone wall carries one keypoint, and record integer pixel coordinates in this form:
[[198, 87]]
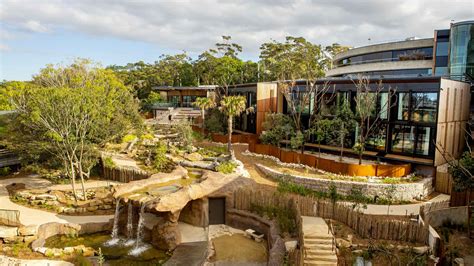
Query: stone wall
[[455, 215], [195, 213], [244, 220], [404, 191]]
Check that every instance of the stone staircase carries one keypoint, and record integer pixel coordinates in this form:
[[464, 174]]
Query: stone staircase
[[318, 242]]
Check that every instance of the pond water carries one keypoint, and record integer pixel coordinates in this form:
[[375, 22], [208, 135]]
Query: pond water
[[114, 255], [248, 251]]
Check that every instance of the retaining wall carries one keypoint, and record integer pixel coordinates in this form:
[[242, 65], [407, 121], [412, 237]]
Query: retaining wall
[[408, 191]]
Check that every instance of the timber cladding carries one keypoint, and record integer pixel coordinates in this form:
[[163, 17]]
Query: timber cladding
[[365, 225], [287, 156]]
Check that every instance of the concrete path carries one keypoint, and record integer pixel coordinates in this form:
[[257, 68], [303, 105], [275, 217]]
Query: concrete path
[[249, 165], [191, 233], [7, 261], [405, 209], [318, 242], [189, 254], [30, 216]]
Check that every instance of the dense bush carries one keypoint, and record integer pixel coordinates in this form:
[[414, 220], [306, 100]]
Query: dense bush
[[226, 167], [160, 161], [185, 134], [215, 121], [276, 127], [4, 171]]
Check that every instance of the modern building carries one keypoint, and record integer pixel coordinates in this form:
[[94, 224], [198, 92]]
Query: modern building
[[427, 81], [182, 96], [449, 53]]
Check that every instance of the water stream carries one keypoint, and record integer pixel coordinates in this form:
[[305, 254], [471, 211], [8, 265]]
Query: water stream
[[139, 246], [114, 236], [130, 241]]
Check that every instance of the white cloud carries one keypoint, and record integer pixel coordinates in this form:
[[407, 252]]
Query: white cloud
[[197, 25]]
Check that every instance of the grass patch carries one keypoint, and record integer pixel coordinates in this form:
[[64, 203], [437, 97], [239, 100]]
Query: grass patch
[[285, 217]]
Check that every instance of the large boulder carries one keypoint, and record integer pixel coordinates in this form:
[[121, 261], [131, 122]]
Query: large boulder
[[8, 232], [166, 235], [193, 157], [29, 230]]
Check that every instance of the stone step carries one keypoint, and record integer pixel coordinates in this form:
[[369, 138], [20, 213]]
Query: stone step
[[319, 263], [318, 241], [328, 258], [317, 236], [318, 246], [319, 252]]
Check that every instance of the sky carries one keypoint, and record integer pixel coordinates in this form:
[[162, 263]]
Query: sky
[[34, 33]]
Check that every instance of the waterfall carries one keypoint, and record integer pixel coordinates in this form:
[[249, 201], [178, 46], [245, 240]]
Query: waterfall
[[114, 236], [139, 248], [130, 220]]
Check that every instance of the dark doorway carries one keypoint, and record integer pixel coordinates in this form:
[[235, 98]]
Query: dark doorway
[[217, 211]]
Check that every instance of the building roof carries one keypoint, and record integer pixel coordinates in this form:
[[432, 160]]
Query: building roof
[[172, 88]]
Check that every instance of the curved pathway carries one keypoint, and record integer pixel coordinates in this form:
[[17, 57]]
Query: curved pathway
[[30, 216]]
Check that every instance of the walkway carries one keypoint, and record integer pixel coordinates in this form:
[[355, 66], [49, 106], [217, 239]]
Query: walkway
[[190, 254], [318, 242], [249, 164], [30, 216]]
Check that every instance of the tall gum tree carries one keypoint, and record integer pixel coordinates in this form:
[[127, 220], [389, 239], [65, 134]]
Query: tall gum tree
[[72, 111]]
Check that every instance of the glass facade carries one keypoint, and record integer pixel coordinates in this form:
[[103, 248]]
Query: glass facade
[[441, 52], [425, 53], [461, 56]]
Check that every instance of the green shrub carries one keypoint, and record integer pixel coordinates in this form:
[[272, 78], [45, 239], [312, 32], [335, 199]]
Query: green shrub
[[277, 127], [128, 138], [185, 134], [109, 162], [286, 217], [215, 121], [391, 180], [4, 171], [146, 137], [160, 162], [226, 167], [197, 136]]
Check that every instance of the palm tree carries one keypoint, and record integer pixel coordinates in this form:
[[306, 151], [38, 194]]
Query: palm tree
[[232, 106], [204, 104]]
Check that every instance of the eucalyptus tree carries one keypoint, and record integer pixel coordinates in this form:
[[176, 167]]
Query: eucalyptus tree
[[70, 112], [289, 62], [367, 101], [232, 106]]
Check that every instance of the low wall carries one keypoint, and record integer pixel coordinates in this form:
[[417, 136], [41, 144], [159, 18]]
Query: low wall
[[454, 215], [244, 220], [408, 191], [287, 156]]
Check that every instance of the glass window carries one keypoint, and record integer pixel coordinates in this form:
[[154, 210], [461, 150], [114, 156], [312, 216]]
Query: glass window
[[442, 48], [403, 105], [423, 140], [377, 139], [441, 71], [383, 105], [174, 100], [403, 139], [424, 107]]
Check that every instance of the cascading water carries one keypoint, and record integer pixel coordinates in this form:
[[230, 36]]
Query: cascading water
[[130, 240], [114, 236], [139, 247]]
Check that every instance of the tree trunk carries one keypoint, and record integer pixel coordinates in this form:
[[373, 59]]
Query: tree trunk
[[229, 141], [84, 196], [342, 136], [73, 180], [360, 146], [203, 117]]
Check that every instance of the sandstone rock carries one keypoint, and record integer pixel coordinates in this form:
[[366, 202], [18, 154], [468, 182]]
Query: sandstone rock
[[92, 208], [95, 203], [29, 239], [68, 250], [105, 207], [193, 157], [69, 210], [12, 239], [41, 250], [166, 235], [88, 252], [343, 243], [290, 246], [7, 231], [27, 230], [57, 252], [46, 197], [421, 250]]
